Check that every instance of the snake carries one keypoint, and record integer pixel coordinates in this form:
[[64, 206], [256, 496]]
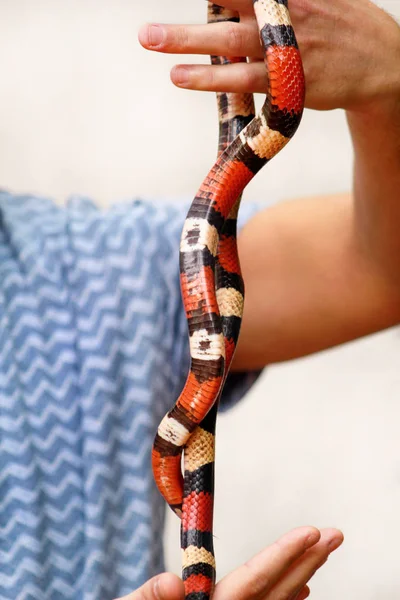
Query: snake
[[212, 285]]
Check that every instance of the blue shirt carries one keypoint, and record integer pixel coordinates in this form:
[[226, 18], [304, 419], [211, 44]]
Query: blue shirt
[[93, 352]]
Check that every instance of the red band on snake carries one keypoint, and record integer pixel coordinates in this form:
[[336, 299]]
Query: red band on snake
[[212, 285]]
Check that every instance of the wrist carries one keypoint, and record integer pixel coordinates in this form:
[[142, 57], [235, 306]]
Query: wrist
[[380, 110], [381, 87]]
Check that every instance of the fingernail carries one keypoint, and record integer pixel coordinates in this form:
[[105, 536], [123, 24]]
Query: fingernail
[[181, 76], [156, 589], [334, 543], [311, 540], [156, 35], [302, 595]]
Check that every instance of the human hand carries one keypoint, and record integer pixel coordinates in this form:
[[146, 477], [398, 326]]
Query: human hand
[[350, 51], [280, 571]]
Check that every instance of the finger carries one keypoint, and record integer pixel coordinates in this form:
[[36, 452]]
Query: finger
[[305, 592], [306, 566], [258, 576], [162, 587], [238, 77], [226, 39]]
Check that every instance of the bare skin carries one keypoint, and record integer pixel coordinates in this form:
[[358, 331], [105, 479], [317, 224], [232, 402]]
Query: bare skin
[[327, 269], [280, 571]]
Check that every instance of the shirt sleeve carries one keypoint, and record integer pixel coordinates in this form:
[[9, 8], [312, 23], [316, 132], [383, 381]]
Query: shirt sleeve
[[238, 383]]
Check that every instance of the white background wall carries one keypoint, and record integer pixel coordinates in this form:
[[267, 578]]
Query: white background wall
[[84, 109]]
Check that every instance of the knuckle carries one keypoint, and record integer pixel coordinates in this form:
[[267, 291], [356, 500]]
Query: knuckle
[[300, 9], [248, 77], [256, 583], [206, 78], [212, 79], [287, 552], [181, 38], [283, 549], [234, 39]]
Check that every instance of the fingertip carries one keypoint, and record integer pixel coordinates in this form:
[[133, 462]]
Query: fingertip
[[305, 592], [336, 540], [143, 35], [332, 538], [180, 76], [169, 587], [151, 36], [302, 537], [313, 535]]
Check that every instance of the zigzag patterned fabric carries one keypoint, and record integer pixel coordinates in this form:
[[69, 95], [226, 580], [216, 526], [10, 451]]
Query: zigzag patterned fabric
[[93, 352]]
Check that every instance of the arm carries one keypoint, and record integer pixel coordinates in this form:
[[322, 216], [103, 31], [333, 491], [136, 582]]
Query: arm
[[327, 269], [313, 285]]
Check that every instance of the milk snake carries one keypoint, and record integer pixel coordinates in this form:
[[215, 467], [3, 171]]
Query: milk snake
[[212, 285]]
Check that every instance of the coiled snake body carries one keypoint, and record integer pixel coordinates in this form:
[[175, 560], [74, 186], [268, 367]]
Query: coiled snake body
[[212, 285]]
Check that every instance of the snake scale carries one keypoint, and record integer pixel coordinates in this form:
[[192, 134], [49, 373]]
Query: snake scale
[[212, 285]]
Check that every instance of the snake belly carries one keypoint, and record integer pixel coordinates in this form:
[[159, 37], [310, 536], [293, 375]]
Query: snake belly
[[212, 285]]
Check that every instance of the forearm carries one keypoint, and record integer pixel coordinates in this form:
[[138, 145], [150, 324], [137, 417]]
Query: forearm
[[374, 123], [376, 140]]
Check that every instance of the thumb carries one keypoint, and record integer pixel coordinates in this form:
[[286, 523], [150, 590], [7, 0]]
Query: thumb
[[162, 587]]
